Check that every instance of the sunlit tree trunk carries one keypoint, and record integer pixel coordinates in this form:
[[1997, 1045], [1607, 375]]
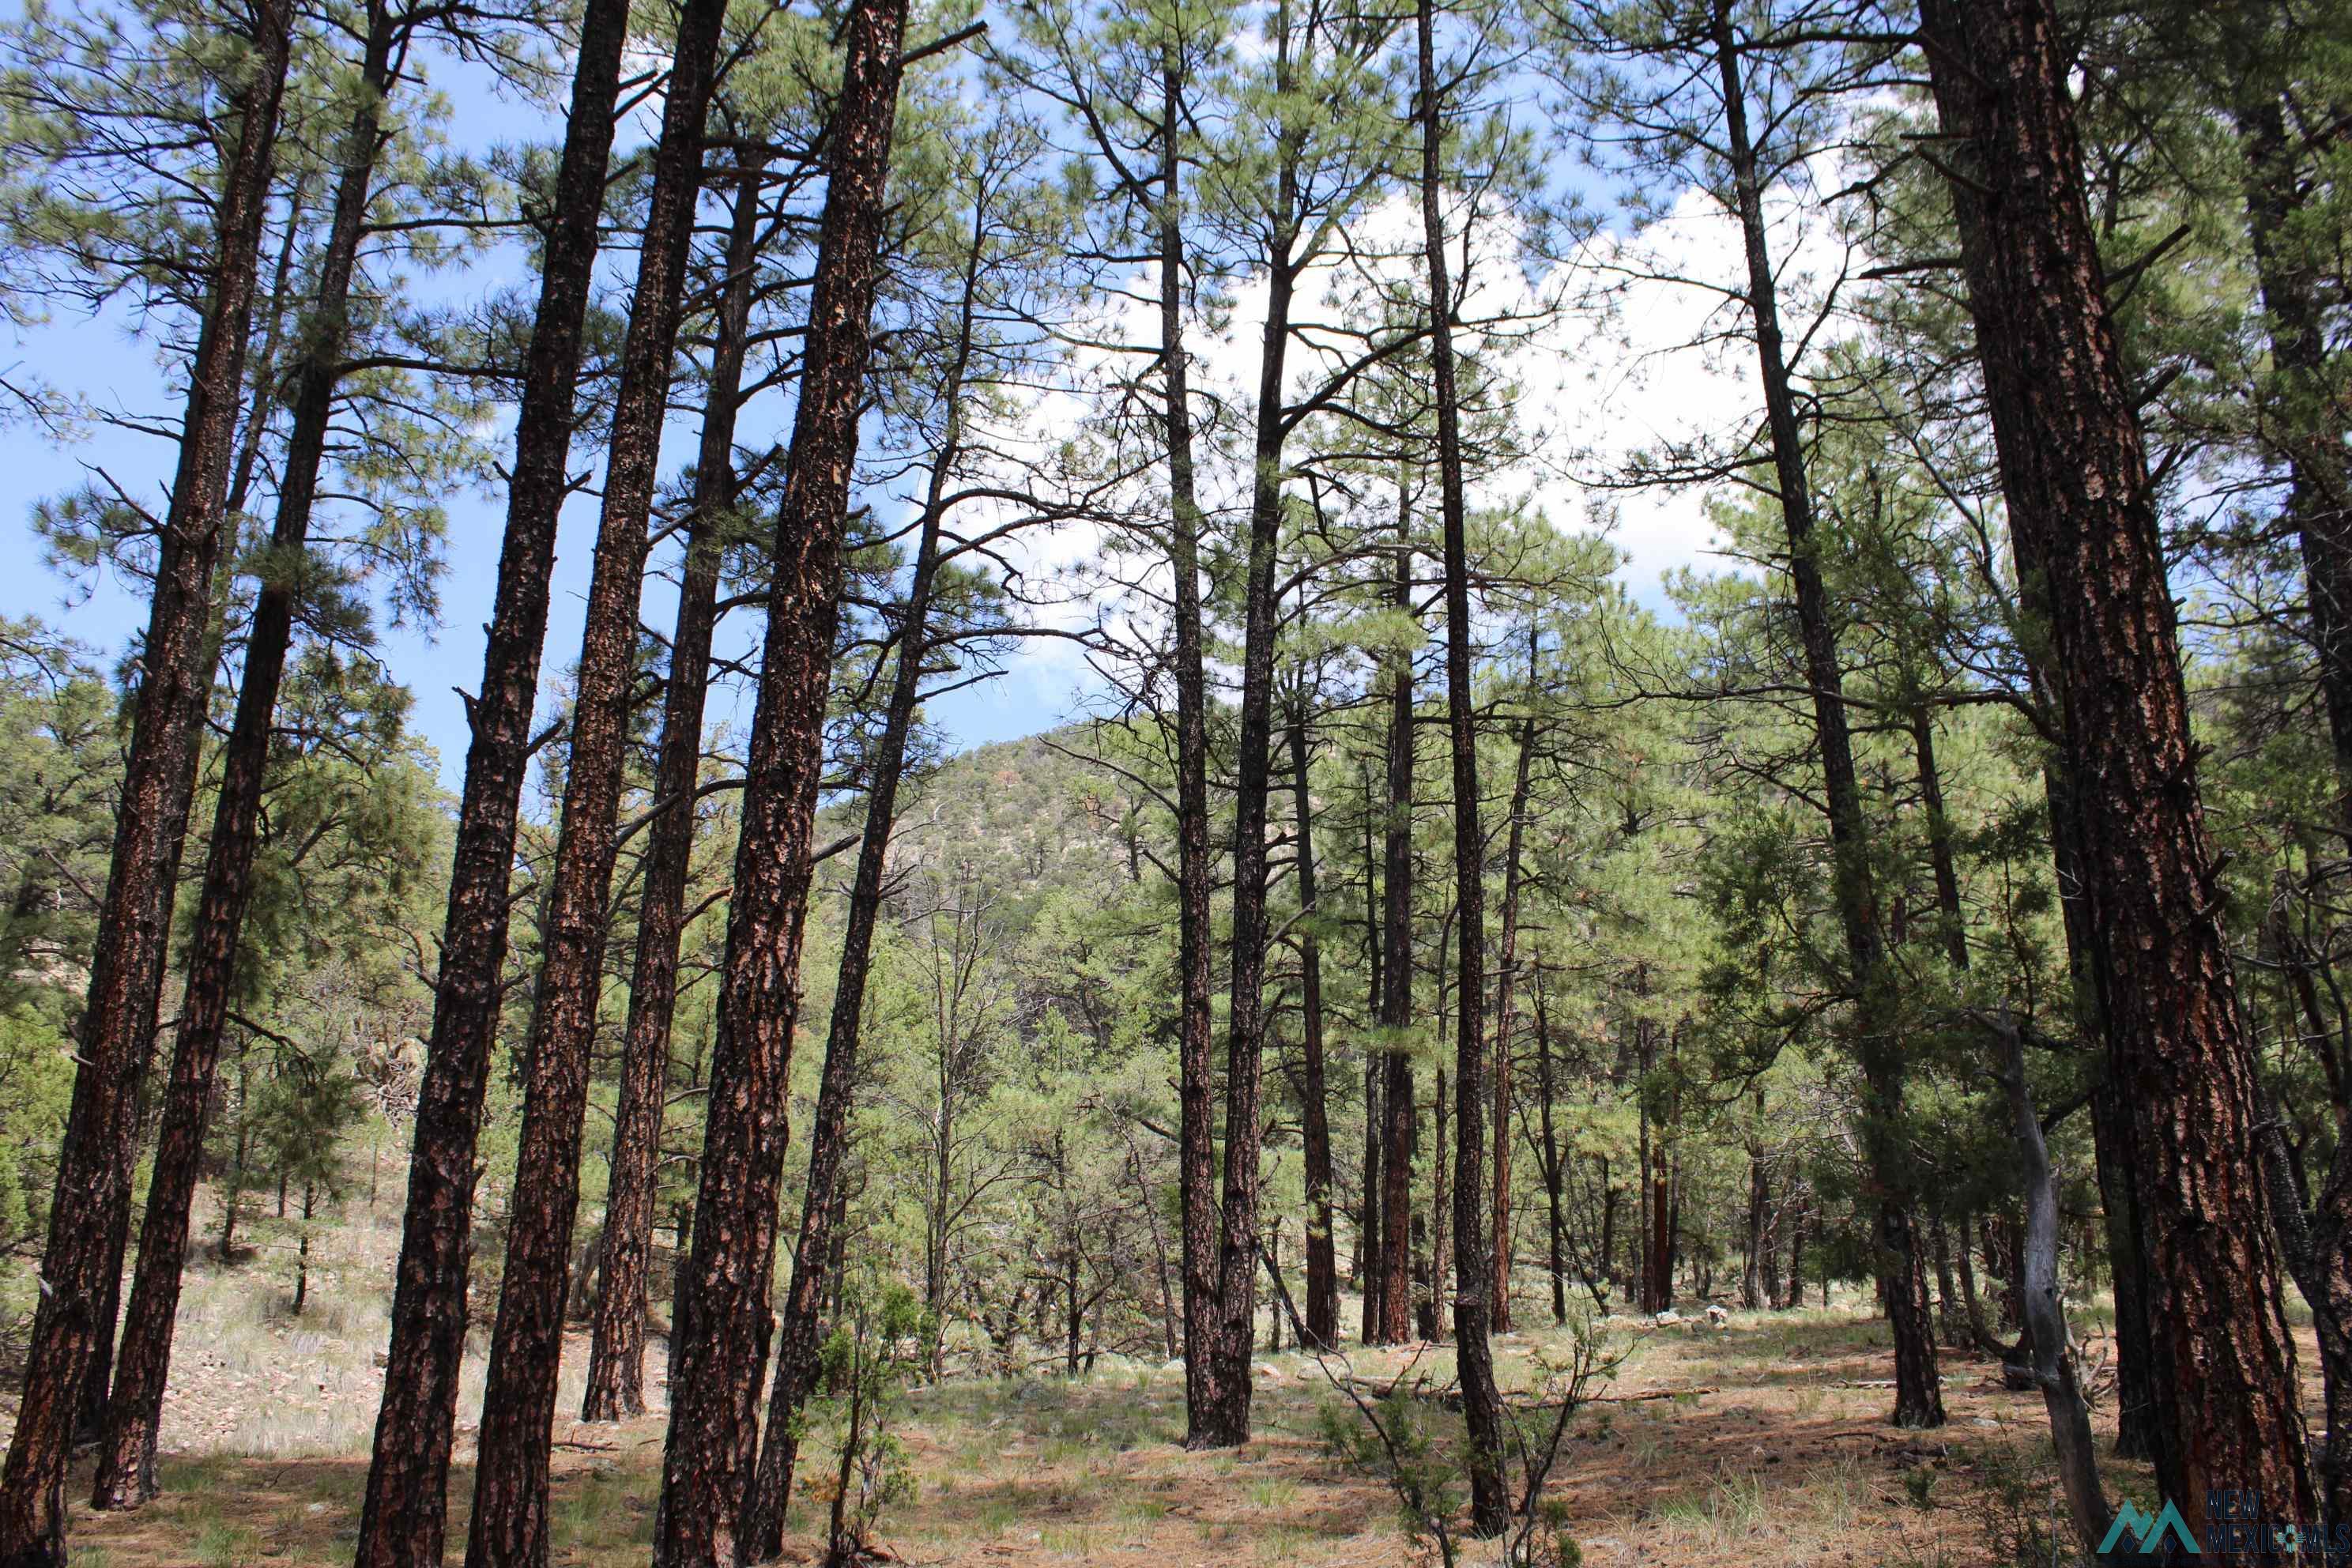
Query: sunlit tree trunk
[[723, 1327], [617, 1349], [404, 1513], [81, 1264]]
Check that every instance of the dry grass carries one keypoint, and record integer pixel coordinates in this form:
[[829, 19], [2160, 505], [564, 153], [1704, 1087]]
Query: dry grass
[[1787, 1462]]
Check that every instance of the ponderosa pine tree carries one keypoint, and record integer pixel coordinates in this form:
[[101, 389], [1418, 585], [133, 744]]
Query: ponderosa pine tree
[[799, 1339], [1482, 1401], [509, 1527], [1321, 1324], [2084, 523], [79, 1266], [405, 1515], [126, 1468], [724, 1292], [617, 1353]]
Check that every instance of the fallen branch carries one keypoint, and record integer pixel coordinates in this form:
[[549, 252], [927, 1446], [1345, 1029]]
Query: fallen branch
[[1637, 1398]]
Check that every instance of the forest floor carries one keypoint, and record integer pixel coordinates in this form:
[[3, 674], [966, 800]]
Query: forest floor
[[1772, 1449]]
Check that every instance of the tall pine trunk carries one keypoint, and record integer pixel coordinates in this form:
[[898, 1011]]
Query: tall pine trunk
[[1196, 1138], [1474, 1288], [1322, 1324], [2084, 520], [616, 1347], [723, 1294], [1506, 979], [81, 1267], [760, 1536], [1900, 1264], [1223, 1421], [126, 1466], [509, 1527], [1395, 1282], [403, 1516]]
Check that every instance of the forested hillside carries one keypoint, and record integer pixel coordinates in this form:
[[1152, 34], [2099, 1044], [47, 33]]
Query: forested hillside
[[1681, 898]]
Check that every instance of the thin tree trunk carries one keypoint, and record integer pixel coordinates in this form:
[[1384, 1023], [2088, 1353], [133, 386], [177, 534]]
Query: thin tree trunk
[[2084, 520], [1900, 1267], [1322, 1321], [617, 1349], [126, 1466], [1553, 1173], [724, 1296], [1481, 1407], [1507, 963], [1224, 1421], [81, 1265], [2045, 1314], [509, 1527], [1394, 1284], [1196, 1138], [404, 1513], [759, 1536]]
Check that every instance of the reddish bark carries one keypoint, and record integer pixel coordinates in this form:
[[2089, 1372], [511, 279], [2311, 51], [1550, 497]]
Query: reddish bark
[[126, 1466], [509, 1528], [2083, 521], [617, 1349], [799, 1338], [81, 1267], [721, 1334], [404, 1513]]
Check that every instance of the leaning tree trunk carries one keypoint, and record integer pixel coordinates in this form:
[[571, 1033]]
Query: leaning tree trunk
[[509, 1527], [1322, 1322], [1473, 1355], [617, 1346], [723, 1294], [90, 1205], [2084, 520], [1395, 1282], [405, 1509], [1900, 1264], [759, 1536], [126, 1466], [2045, 1314]]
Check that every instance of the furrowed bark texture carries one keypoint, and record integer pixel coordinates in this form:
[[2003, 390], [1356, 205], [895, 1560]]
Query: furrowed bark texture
[[403, 1517], [126, 1466], [723, 1296], [1195, 1137], [2084, 520], [508, 1525], [616, 1348], [759, 1536], [90, 1206]]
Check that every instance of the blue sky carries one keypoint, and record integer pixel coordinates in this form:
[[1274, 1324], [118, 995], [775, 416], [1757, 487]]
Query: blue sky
[[102, 361]]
